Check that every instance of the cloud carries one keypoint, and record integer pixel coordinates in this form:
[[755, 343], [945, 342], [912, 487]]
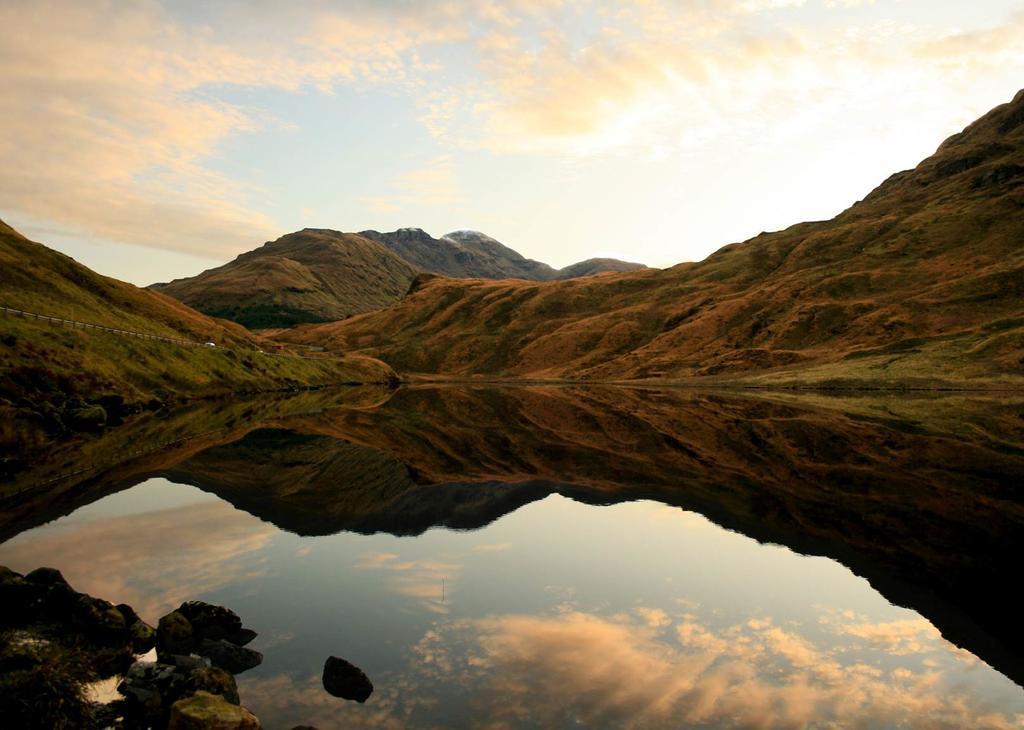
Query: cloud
[[432, 184], [428, 582], [580, 668], [182, 553], [113, 114], [109, 117]]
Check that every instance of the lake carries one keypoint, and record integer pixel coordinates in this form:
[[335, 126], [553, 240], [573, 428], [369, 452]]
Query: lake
[[570, 557]]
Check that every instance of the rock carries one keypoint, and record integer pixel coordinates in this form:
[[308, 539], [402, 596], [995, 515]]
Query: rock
[[186, 662], [46, 577], [210, 621], [145, 687], [143, 637], [150, 688], [215, 681], [346, 680], [242, 637], [87, 418], [17, 597], [128, 612], [96, 617], [205, 711], [174, 634], [224, 654]]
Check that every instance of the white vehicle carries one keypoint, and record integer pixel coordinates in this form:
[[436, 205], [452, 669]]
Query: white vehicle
[[209, 344]]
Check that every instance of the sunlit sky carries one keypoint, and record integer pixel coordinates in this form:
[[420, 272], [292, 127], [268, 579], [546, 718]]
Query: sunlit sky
[[151, 140]]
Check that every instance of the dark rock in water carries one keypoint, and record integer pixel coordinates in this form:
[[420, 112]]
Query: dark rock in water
[[346, 680], [141, 634], [96, 617], [174, 634], [143, 637], [242, 637], [86, 418], [223, 654], [210, 621], [205, 711], [211, 631]]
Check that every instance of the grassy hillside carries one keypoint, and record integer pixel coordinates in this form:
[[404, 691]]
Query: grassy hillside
[[922, 282], [312, 275], [51, 369]]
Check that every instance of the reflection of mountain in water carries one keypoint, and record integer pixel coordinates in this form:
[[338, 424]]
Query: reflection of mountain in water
[[919, 496]]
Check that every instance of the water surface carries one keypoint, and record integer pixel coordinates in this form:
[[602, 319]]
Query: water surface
[[541, 558]]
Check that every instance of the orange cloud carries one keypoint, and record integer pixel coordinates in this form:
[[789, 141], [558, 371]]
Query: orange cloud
[[179, 553]]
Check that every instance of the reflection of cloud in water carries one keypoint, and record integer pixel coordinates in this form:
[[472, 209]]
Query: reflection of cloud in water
[[576, 667], [427, 581], [180, 553], [285, 701], [492, 548]]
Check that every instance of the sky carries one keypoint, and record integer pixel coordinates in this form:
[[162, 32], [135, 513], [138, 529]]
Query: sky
[[151, 140]]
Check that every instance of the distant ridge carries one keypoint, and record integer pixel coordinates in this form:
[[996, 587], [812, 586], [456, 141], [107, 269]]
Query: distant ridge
[[322, 275], [312, 275], [921, 283]]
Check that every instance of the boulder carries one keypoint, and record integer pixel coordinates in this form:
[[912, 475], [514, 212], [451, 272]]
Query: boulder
[[150, 688], [242, 637], [97, 618], [205, 711], [19, 598], [224, 654], [143, 637], [174, 634], [46, 577], [210, 621], [145, 688], [346, 680], [214, 680]]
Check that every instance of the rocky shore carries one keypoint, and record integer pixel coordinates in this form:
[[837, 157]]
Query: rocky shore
[[55, 642]]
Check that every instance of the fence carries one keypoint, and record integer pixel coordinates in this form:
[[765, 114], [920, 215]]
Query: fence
[[77, 324]]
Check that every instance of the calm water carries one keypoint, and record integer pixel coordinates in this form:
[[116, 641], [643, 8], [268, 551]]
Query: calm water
[[535, 558]]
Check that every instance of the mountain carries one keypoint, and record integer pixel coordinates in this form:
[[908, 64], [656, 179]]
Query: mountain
[[462, 254], [592, 267], [474, 255], [312, 275], [922, 282], [321, 275], [51, 368]]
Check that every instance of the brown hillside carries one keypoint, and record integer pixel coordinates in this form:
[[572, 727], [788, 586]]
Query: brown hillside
[[921, 281], [38, 279], [313, 275], [48, 368]]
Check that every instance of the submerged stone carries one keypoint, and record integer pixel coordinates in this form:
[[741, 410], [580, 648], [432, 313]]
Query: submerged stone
[[346, 680]]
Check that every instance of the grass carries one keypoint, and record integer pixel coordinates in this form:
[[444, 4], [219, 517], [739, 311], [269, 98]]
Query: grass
[[44, 685], [39, 360]]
